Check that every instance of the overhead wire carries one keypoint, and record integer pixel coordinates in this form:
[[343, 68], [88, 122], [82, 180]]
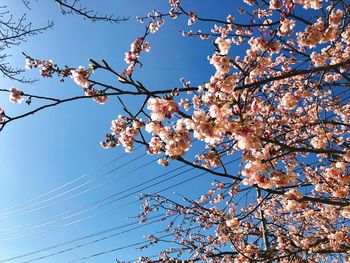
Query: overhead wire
[[75, 240], [69, 249], [78, 246], [26, 211], [80, 186], [128, 195], [93, 241], [115, 249], [4, 230], [145, 242], [25, 203], [92, 206]]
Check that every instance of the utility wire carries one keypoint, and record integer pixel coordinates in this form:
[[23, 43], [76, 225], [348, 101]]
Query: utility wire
[[93, 241], [145, 242], [69, 249], [97, 204], [80, 186], [63, 225], [121, 248], [101, 239], [25, 203], [75, 240], [114, 250], [93, 206], [5, 230]]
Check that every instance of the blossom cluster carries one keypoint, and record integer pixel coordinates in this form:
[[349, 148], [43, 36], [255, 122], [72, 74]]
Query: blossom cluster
[[161, 108], [79, 75], [81, 78], [124, 132], [131, 57], [16, 95]]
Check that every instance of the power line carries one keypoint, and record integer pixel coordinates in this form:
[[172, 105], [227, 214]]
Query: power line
[[95, 205], [80, 186], [63, 186], [10, 213], [26, 211], [75, 240], [68, 183], [2, 231], [69, 249], [101, 239], [92, 242], [64, 225], [120, 248], [114, 250], [144, 242]]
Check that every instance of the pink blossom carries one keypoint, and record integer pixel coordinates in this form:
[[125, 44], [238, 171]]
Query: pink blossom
[[292, 205], [293, 194], [16, 95], [232, 223], [289, 101], [192, 18], [335, 18], [286, 27], [98, 95], [155, 146], [163, 162], [153, 128], [310, 4], [154, 27], [346, 212], [249, 2], [223, 45], [275, 4], [29, 63], [161, 108], [81, 77], [341, 165]]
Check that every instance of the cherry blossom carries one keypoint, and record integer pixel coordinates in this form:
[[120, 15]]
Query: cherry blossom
[[81, 77], [161, 108], [16, 95]]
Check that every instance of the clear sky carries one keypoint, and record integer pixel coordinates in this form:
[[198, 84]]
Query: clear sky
[[53, 147]]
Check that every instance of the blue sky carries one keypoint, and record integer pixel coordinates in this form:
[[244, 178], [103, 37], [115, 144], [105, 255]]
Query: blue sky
[[53, 147]]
